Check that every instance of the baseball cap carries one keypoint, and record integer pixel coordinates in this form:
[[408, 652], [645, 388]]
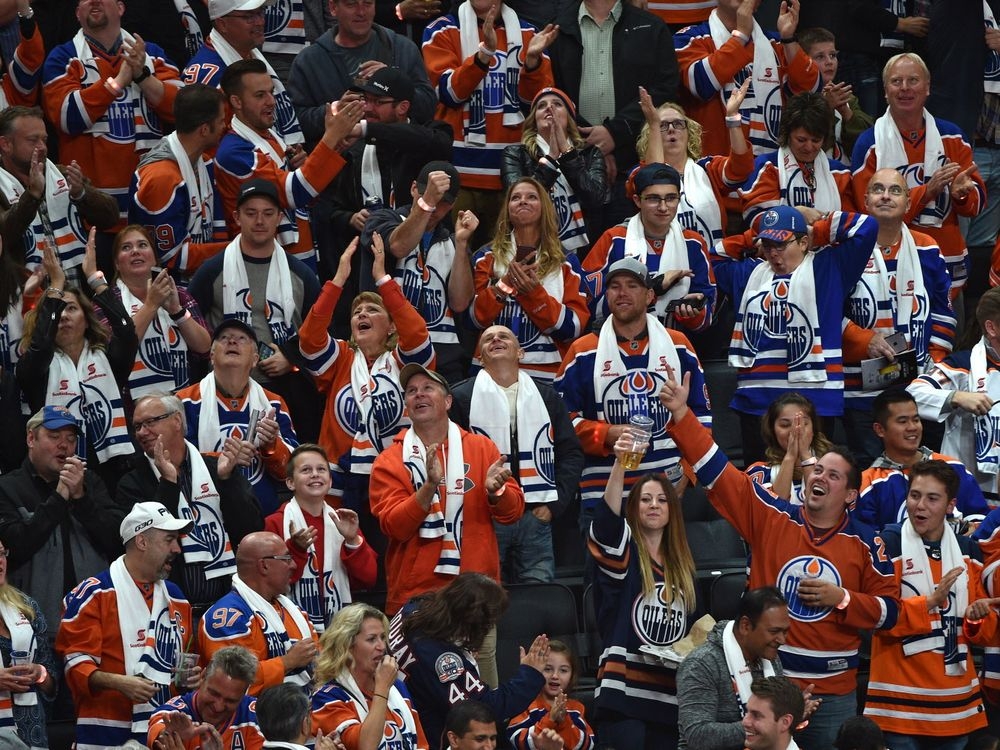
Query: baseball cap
[[781, 224], [220, 8], [236, 323], [258, 188], [655, 174], [387, 81], [53, 418], [150, 516], [440, 166], [631, 266], [561, 94], [413, 368]]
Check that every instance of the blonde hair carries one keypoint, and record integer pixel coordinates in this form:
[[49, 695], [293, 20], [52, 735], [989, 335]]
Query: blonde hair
[[694, 133], [336, 641], [375, 299], [18, 600], [678, 564], [912, 57], [549, 253]]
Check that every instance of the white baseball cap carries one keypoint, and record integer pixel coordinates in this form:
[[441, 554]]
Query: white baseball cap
[[150, 516], [220, 8]]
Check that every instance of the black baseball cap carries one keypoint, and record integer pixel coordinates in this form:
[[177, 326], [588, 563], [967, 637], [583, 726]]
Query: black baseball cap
[[387, 81], [236, 323], [258, 188]]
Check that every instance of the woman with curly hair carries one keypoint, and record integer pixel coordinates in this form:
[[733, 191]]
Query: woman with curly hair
[[554, 153], [525, 281], [436, 638], [644, 594], [68, 358], [793, 438], [357, 694]]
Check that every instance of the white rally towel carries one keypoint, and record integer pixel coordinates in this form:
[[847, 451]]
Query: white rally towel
[[917, 581], [468, 29], [763, 86], [69, 247], [739, 670], [210, 437], [199, 187], [909, 283], [491, 416], [273, 623], [323, 588], [394, 698], [155, 330], [153, 657], [204, 509], [674, 257], [441, 523], [825, 196], [236, 298], [698, 196], [890, 153], [987, 461]]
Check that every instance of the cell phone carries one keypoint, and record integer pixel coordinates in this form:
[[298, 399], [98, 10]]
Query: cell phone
[[264, 350], [673, 304], [523, 252], [255, 415], [155, 271]]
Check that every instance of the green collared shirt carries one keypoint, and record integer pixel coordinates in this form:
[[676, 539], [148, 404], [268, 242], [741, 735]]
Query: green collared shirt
[[597, 82]]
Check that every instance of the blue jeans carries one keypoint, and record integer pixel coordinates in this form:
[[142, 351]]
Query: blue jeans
[[825, 723], [981, 230], [914, 742], [526, 550]]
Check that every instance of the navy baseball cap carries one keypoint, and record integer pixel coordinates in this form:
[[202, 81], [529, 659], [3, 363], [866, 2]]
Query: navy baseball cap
[[781, 224], [236, 323], [655, 174], [53, 418]]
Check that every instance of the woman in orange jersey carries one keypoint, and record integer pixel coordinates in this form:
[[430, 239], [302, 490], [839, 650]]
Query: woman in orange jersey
[[358, 695], [69, 359], [645, 597], [168, 321], [525, 281]]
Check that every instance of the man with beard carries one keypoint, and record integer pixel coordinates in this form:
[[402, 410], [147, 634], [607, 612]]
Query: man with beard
[[258, 615], [831, 569], [607, 377], [122, 631]]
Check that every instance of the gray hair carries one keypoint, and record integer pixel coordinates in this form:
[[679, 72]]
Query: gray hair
[[170, 402], [235, 662]]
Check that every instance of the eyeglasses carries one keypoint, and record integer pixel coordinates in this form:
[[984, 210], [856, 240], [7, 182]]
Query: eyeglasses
[[138, 426], [894, 190], [283, 558], [4, 553], [665, 125], [655, 200]]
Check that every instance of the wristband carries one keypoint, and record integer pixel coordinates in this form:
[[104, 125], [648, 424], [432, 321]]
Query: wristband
[[44, 676], [383, 280], [790, 40], [734, 121], [504, 287], [499, 492], [399, 12], [740, 35], [809, 461], [486, 50], [845, 601], [379, 695], [180, 315], [113, 86], [142, 76], [59, 292], [96, 279], [424, 205]]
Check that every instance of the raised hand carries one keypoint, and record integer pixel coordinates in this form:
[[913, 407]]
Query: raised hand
[[344, 264]]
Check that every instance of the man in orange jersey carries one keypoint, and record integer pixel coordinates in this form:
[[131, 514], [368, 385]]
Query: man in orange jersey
[[923, 691], [122, 631], [219, 710], [258, 615], [831, 569]]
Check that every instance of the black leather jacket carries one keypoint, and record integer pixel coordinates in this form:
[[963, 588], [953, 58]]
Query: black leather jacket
[[584, 170]]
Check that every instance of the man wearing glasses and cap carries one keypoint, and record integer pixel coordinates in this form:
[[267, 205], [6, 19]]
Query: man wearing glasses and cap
[[123, 631]]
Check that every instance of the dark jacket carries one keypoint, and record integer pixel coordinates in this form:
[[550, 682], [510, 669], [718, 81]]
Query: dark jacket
[[241, 515], [44, 532], [642, 55], [568, 453], [584, 170], [402, 149]]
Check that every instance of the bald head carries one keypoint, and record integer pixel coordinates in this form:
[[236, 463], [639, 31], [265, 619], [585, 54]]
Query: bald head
[[887, 197], [264, 564]]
